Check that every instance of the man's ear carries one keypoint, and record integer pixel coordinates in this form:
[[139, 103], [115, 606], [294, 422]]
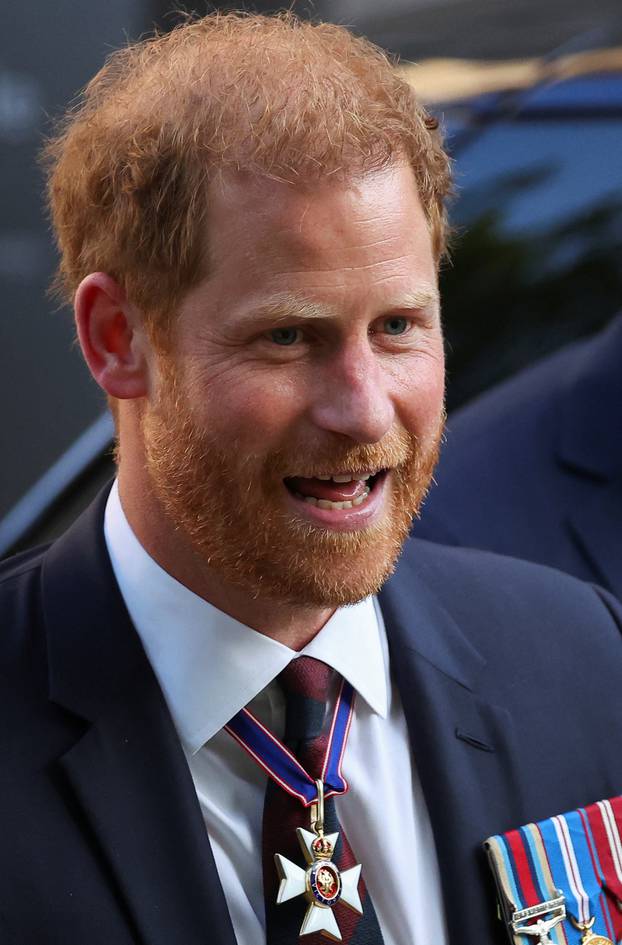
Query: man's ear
[[111, 337]]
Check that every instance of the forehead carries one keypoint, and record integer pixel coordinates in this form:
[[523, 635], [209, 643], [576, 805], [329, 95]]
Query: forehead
[[361, 234]]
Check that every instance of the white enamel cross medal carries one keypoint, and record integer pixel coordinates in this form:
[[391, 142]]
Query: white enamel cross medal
[[321, 883]]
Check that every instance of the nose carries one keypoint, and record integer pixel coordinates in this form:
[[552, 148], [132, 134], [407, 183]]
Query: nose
[[352, 396]]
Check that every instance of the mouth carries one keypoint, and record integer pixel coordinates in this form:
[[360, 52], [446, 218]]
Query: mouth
[[336, 491]]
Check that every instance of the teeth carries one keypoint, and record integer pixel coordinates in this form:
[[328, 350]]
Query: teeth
[[327, 504], [349, 478], [346, 478]]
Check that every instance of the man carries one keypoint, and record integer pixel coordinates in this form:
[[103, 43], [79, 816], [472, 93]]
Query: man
[[533, 468], [250, 218]]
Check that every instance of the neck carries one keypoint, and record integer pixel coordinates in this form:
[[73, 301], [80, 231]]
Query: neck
[[292, 625]]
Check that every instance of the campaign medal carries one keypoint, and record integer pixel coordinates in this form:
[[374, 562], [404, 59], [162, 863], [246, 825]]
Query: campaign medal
[[589, 938], [555, 909], [541, 928], [572, 859], [578, 855], [322, 883]]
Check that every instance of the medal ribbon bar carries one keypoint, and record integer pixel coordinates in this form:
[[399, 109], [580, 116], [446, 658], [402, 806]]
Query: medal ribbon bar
[[532, 905], [576, 856]]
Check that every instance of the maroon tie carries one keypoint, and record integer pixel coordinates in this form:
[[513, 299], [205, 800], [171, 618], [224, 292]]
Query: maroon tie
[[306, 683]]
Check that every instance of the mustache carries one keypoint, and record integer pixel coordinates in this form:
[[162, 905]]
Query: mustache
[[310, 460]]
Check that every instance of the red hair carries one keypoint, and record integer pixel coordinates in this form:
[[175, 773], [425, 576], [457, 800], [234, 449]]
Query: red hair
[[130, 166]]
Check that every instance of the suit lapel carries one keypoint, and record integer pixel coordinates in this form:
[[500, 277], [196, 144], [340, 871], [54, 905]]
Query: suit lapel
[[463, 748], [127, 772]]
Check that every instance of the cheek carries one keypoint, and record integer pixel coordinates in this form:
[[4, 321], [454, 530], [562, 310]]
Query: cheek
[[420, 394], [257, 409]]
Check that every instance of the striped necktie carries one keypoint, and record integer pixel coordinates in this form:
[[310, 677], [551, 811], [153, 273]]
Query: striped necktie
[[306, 683]]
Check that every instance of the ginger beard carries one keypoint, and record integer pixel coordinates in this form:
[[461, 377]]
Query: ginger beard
[[231, 505]]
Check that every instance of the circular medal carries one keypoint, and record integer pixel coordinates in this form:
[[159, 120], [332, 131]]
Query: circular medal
[[324, 882], [588, 937]]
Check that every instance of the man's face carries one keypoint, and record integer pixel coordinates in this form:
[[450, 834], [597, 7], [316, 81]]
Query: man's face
[[312, 350]]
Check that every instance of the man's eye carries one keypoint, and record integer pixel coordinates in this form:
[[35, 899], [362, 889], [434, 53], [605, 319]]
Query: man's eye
[[396, 326], [285, 336]]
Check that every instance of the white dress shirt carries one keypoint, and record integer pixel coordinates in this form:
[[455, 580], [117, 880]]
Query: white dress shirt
[[209, 666]]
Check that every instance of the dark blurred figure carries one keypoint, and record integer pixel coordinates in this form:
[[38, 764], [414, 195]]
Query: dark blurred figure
[[533, 468]]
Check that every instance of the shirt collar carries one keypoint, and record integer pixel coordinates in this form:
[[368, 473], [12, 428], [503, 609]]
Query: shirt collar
[[210, 665]]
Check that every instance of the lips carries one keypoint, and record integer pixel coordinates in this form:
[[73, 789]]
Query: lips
[[341, 490]]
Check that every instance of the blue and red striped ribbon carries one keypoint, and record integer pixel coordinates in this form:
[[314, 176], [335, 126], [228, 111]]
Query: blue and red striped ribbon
[[579, 854], [282, 766]]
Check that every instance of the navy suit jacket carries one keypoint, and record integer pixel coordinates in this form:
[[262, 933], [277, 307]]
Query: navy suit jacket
[[533, 468], [511, 704]]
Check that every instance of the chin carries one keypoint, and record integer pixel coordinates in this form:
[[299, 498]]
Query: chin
[[329, 577]]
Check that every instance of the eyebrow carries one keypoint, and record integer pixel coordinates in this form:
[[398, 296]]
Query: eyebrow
[[286, 307], [421, 298]]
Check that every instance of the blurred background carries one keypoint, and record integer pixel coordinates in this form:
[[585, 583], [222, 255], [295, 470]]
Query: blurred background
[[530, 95]]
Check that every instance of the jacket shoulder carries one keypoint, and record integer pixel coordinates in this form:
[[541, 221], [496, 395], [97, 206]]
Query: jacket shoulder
[[21, 617], [470, 570], [19, 565], [508, 627], [482, 589], [20, 586]]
